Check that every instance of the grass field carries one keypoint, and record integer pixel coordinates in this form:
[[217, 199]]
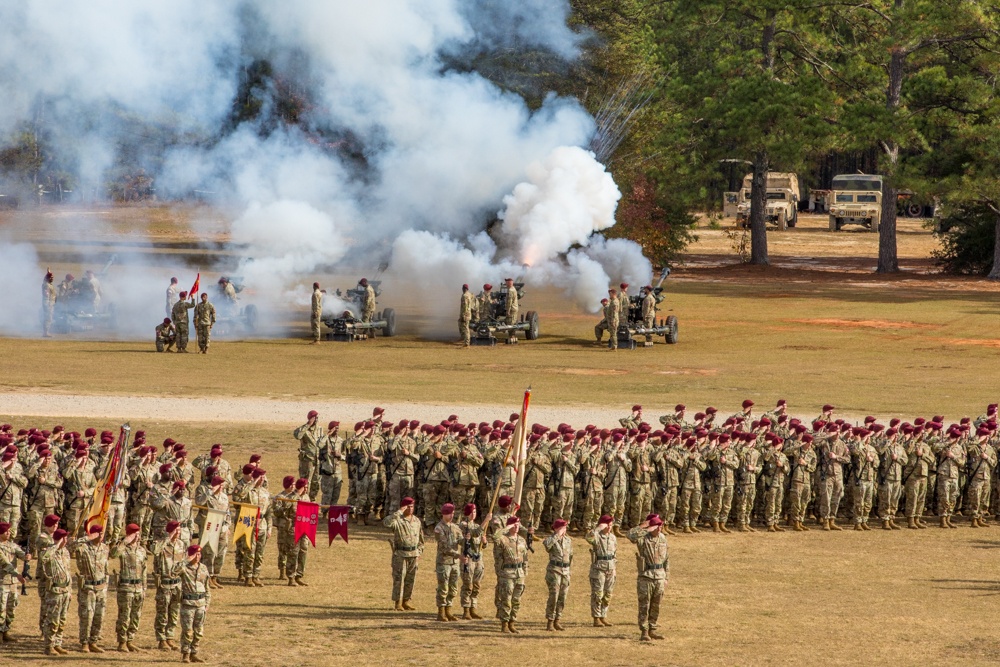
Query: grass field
[[817, 326]]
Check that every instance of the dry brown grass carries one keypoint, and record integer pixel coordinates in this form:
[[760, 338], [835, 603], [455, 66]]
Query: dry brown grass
[[903, 597]]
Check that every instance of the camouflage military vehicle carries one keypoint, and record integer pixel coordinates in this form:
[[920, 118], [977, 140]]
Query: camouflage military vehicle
[[230, 315], [631, 326], [486, 326], [856, 199], [782, 200], [346, 326]]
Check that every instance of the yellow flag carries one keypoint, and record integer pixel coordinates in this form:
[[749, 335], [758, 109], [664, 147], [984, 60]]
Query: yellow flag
[[246, 523]]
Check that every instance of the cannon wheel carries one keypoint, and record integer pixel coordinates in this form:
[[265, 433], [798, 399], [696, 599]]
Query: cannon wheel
[[250, 318], [671, 335], [389, 330], [532, 318]]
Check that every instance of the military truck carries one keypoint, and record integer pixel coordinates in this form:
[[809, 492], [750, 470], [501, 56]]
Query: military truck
[[345, 326], [486, 326], [631, 327], [782, 200], [856, 199]]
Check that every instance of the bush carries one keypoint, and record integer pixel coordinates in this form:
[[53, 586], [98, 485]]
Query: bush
[[967, 236]]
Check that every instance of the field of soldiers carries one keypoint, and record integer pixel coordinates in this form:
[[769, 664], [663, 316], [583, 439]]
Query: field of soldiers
[[816, 327]]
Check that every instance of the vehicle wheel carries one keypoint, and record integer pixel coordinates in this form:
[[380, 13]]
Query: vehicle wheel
[[782, 223], [159, 345], [671, 335], [250, 318], [112, 316], [834, 227], [914, 210], [873, 226], [794, 219], [532, 319], [389, 315]]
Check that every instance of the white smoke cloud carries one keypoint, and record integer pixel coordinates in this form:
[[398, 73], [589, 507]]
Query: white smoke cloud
[[432, 151]]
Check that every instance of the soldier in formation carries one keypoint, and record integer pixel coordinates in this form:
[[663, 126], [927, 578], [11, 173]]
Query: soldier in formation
[[204, 320]]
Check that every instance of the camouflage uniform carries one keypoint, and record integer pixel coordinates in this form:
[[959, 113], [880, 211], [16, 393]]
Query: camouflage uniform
[[10, 553], [298, 552], [538, 466], [368, 304], [616, 484], [566, 465], [592, 490], [472, 568], [368, 477], [723, 486], [48, 306], [41, 544], [833, 455], [919, 461], [465, 308], [653, 565], [214, 560], [80, 482], [311, 440], [557, 574], [649, 313], [611, 316], [512, 309], [58, 575], [204, 319], [469, 460], [195, 598], [952, 458], [746, 489], [800, 491], [865, 469], [690, 501], [603, 571], [511, 570], [131, 588], [641, 483], [13, 482], [92, 564], [775, 468], [449, 551], [407, 544], [331, 474], [316, 313], [179, 316], [893, 459], [168, 554], [252, 557]]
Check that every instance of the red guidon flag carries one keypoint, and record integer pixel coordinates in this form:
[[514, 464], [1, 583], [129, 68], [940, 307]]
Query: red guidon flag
[[337, 521], [306, 518], [193, 294]]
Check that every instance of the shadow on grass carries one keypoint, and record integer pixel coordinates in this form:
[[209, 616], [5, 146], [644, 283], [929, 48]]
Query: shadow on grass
[[985, 544], [984, 586]]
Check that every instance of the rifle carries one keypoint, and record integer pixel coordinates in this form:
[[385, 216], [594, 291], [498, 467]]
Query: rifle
[[529, 541]]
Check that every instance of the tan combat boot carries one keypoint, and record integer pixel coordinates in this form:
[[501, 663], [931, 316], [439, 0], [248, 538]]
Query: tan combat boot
[[94, 648], [798, 527], [833, 524], [291, 582], [510, 626], [715, 527], [503, 627], [122, 648], [399, 605], [667, 530], [617, 531], [465, 614], [778, 528], [162, 645], [557, 625], [257, 582], [195, 658], [687, 529], [911, 523], [694, 528], [448, 615], [597, 623], [893, 524], [185, 657], [653, 634], [171, 644], [298, 580], [921, 523], [944, 522], [604, 622], [218, 584], [407, 606], [885, 525], [974, 522], [950, 524], [742, 527], [49, 650], [131, 647], [548, 626], [644, 637], [857, 526], [771, 528], [60, 650], [474, 615], [722, 525], [804, 527], [826, 524], [441, 617], [84, 648]]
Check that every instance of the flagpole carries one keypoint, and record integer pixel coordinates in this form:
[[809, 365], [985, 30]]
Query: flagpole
[[519, 443]]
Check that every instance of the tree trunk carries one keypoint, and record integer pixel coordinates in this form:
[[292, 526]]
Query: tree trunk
[[888, 259], [995, 273], [758, 207]]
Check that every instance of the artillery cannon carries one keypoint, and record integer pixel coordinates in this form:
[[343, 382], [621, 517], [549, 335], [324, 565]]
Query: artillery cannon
[[631, 325], [347, 328], [486, 327], [230, 316], [81, 308]]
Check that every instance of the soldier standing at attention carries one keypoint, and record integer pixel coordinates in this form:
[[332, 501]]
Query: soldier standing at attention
[[407, 544], [310, 437], [648, 311], [131, 586], [167, 554], [295, 565], [10, 553], [484, 303], [624, 302], [612, 311], [172, 296], [367, 301], [49, 295], [204, 319], [557, 574], [512, 563], [474, 539], [951, 459], [58, 575], [513, 306], [449, 551], [331, 474], [195, 598], [92, 564], [465, 308], [256, 493], [179, 315], [894, 458], [603, 569], [282, 509], [317, 312], [42, 541], [653, 565]]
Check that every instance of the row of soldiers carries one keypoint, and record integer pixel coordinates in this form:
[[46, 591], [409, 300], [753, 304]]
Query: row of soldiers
[[742, 471]]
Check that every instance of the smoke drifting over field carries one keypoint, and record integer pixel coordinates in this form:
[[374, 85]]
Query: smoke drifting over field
[[397, 159]]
